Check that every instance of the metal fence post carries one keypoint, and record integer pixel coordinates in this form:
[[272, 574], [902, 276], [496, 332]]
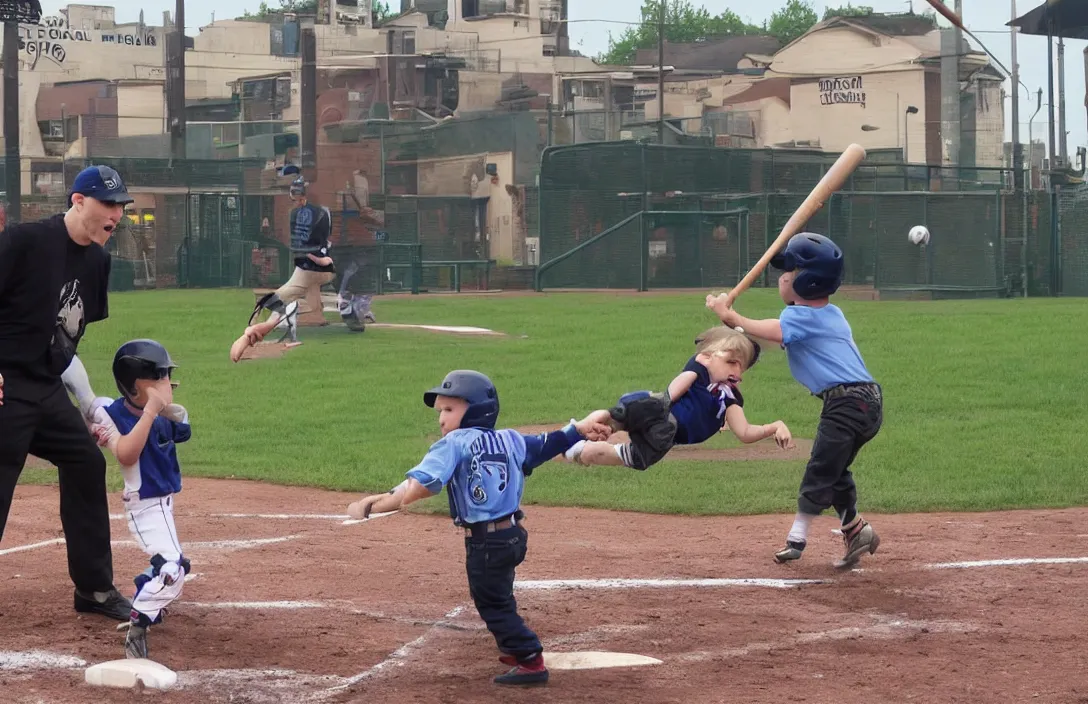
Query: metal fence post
[[644, 237], [929, 249]]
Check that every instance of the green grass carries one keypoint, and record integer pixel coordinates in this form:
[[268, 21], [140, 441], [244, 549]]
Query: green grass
[[981, 396]]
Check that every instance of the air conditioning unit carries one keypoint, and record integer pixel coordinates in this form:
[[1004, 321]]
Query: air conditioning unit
[[627, 134]]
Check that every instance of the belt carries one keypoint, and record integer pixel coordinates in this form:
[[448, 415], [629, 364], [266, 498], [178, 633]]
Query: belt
[[862, 388], [476, 529]]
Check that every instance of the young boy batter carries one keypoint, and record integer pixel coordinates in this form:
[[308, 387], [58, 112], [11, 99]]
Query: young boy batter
[[700, 401], [823, 357], [141, 429], [484, 472]]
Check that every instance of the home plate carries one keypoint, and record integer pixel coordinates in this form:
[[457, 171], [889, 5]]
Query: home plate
[[592, 660], [126, 673]]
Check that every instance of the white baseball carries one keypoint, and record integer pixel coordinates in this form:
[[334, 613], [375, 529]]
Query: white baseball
[[919, 234], [739, 329]]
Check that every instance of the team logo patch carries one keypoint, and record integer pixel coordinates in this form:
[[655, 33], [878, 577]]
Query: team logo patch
[[110, 183]]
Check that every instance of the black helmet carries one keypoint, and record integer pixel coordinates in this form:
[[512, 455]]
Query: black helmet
[[140, 359]]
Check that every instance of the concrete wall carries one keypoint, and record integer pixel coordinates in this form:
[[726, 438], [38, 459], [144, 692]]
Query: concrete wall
[[832, 109], [141, 109]]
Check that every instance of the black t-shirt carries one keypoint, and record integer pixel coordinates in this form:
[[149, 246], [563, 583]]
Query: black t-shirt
[[311, 229], [50, 289]]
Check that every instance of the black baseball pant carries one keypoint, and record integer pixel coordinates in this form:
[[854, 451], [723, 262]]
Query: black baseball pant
[[39, 418], [490, 562], [851, 417]]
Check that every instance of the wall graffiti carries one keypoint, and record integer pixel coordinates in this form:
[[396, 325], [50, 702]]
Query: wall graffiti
[[49, 39], [128, 39], [837, 91]]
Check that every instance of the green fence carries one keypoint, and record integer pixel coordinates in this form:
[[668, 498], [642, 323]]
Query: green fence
[[595, 201]]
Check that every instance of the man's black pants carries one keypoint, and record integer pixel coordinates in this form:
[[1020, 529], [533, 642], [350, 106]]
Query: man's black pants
[[490, 562], [852, 416], [40, 419]]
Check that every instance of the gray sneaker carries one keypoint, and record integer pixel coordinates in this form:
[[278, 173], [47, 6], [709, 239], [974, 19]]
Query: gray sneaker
[[136, 642], [791, 552], [861, 540]]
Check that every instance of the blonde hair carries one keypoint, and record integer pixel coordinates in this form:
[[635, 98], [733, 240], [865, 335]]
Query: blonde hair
[[724, 341]]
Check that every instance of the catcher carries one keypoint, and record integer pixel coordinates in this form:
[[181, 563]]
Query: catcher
[[699, 402]]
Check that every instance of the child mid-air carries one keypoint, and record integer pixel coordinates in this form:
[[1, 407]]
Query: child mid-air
[[141, 429], [700, 402], [484, 470], [823, 357]]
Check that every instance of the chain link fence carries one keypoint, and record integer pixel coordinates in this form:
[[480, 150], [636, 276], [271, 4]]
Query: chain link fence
[[986, 240]]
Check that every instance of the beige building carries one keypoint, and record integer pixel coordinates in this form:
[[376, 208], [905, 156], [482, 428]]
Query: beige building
[[872, 80]]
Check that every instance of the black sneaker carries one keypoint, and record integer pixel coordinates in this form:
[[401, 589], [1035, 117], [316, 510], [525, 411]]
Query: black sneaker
[[111, 604]]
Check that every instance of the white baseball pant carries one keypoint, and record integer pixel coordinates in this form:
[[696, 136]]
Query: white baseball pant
[[151, 523]]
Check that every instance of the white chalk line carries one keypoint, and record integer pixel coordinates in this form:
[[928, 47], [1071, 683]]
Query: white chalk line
[[885, 628], [32, 546], [395, 659], [195, 545], [37, 660], [1014, 562], [343, 518], [553, 584]]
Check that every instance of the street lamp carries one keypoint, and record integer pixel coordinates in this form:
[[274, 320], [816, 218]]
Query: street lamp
[[911, 110]]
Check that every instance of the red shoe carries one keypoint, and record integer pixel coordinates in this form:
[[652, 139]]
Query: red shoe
[[529, 672]]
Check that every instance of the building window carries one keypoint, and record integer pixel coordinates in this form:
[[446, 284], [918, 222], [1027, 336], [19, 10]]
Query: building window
[[410, 42]]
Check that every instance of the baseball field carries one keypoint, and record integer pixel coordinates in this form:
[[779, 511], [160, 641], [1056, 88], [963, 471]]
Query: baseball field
[[975, 483]]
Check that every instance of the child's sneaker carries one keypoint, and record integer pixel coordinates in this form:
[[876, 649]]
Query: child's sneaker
[[859, 539], [791, 552], [524, 672]]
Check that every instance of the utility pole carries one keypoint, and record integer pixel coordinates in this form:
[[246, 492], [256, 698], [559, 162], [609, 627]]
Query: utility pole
[[1017, 153], [11, 14], [175, 82], [1063, 150], [661, 73], [308, 96]]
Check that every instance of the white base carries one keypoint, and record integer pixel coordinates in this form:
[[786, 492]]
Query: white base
[[126, 673], [592, 660]]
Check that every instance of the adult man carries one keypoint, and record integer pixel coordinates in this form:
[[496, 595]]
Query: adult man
[[54, 276], [311, 229]]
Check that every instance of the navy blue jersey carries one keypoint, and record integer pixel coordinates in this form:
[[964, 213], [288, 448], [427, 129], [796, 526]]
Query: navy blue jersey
[[700, 413], [484, 470], [157, 472], [311, 229]]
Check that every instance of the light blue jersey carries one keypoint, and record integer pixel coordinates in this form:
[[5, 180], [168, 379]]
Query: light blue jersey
[[484, 470], [820, 348]]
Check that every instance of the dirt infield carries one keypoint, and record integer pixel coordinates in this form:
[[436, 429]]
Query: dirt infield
[[295, 606]]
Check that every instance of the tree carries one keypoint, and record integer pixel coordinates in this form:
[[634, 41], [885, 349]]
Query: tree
[[683, 23], [793, 20], [847, 10], [264, 12]]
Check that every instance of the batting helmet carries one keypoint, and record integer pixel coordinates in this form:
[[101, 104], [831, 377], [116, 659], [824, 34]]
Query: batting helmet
[[101, 183], [140, 359], [819, 261], [474, 387]]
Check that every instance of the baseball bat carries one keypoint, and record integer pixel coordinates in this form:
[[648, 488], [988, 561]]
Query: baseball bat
[[949, 14], [832, 181]]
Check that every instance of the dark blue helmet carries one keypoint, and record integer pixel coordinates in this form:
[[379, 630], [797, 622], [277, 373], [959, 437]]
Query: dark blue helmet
[[140, 359], [819, 261], [101, 183], [298, 186], [474, 387]]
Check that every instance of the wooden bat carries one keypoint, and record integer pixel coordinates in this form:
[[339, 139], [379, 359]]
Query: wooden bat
[[832, 181]]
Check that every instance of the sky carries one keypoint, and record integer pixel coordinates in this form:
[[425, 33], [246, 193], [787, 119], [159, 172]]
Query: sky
[[592, 20]]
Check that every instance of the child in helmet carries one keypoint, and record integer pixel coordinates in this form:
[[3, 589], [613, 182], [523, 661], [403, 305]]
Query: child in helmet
[[484, 470], [141, 429], [823, 357], [700, 402]]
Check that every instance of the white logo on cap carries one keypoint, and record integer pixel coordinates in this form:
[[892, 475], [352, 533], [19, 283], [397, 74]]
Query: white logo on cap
[[110, 183]]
